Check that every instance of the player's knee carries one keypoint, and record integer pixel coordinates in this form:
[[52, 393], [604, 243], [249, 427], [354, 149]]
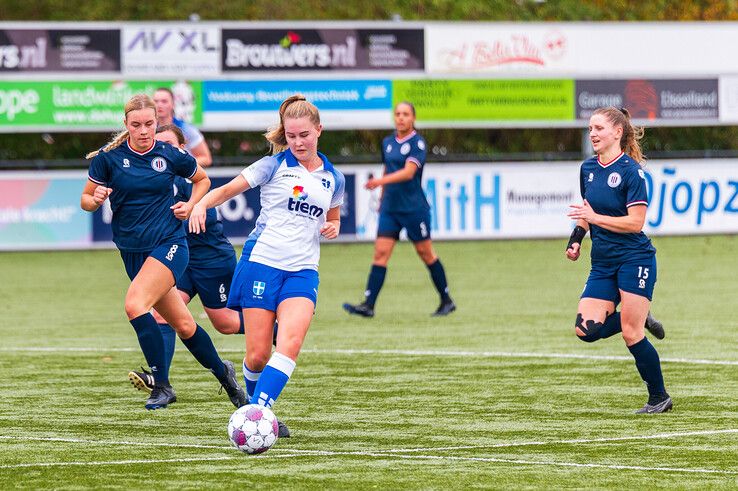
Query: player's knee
[[631, 335], [184, 326], [134, 308], [587, 331], [381, 258], [256, 361]]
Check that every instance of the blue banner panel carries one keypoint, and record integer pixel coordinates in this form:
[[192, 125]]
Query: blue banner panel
[[237, 95]]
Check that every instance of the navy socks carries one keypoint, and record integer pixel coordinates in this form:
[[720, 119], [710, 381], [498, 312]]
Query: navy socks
[[152, 345], [201, 347], [438, 275], [374, 284], [169, 336], [649, 366]]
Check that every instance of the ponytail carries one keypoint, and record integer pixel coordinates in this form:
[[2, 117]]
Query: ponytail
[[115, 142], [630, 141], [138, 101], [295, 106]]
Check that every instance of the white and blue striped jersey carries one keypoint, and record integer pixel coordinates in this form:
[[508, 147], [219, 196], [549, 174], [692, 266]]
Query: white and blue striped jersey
[[294, 205]]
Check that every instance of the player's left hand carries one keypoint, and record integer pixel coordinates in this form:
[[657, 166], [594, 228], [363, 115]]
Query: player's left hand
[[182, 210], [372, 183], [329, 230], [582, 212]]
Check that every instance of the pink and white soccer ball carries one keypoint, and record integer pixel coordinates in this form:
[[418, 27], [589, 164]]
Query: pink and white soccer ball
[[253, 428]]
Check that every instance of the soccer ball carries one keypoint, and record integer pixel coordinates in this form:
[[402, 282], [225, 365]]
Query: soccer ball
[[253, 428]]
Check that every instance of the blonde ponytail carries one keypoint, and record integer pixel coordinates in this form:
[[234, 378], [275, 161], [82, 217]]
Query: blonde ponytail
[[115, 142], [138, 101], [295, 106]]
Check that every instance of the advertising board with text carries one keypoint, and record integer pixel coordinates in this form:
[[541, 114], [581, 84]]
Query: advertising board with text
[[69, 106]]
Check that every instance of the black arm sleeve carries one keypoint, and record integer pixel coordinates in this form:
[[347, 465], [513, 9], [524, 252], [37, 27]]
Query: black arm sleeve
[[576, 236]]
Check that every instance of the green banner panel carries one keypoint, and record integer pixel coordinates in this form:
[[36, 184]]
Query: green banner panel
[[488, 100], [69, 104]]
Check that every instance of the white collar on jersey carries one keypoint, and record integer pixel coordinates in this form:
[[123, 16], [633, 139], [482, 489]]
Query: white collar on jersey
[[406, 138], [153, 144], [603, 164]]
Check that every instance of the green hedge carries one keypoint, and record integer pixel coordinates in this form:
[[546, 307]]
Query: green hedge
[[440, 10]]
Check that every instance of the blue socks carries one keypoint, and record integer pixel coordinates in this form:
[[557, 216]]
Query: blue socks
[[374, 284], [201, 347], [649, 366], [438, 275], [275, 376], [611, 326], [250, 378], [152, 345], [169, 336]]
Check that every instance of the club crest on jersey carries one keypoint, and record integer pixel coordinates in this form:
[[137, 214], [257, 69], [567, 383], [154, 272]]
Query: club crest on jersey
[[159, 164], [126, 163], [405, 149], [614, 179], [259, 287], [388, 149], [326, 183], [421, 144], [591, 177]]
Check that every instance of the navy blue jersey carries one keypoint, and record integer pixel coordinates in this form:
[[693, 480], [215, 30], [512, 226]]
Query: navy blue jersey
[[611, 189], [210, 248], [408, 196], [142, 193]]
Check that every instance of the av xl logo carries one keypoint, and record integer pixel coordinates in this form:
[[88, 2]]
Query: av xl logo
[[173, 41]]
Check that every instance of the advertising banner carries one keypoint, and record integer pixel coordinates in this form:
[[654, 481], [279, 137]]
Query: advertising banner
[[488, 100], [254, 104], [167, 50], [563, 50], [484, 201], [60, 50], [692, 197], [83, 105], [490, 201], [322, 49], [690, 99], [41, 211]]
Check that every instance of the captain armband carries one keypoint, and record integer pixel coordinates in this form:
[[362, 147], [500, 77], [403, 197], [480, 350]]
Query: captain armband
[[577, 235]]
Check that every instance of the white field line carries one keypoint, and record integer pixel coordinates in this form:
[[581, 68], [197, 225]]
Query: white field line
[[658, 436], [437, 353], [384, 456]]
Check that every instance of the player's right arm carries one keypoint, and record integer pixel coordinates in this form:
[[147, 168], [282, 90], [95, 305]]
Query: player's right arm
[[93, 196], [575, 241], [216, 197]]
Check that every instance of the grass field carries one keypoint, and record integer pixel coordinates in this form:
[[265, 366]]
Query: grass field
[[498, 395]]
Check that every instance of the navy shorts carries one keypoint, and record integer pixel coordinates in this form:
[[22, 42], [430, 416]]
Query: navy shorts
[[417, 225], [212, 284], [174, 256], [606, 280], [257, 285]]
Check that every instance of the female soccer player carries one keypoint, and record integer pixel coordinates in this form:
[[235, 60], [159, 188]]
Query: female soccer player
[[277, 275], [137, 174], [403, 205], [613, 188], [208, 274]]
